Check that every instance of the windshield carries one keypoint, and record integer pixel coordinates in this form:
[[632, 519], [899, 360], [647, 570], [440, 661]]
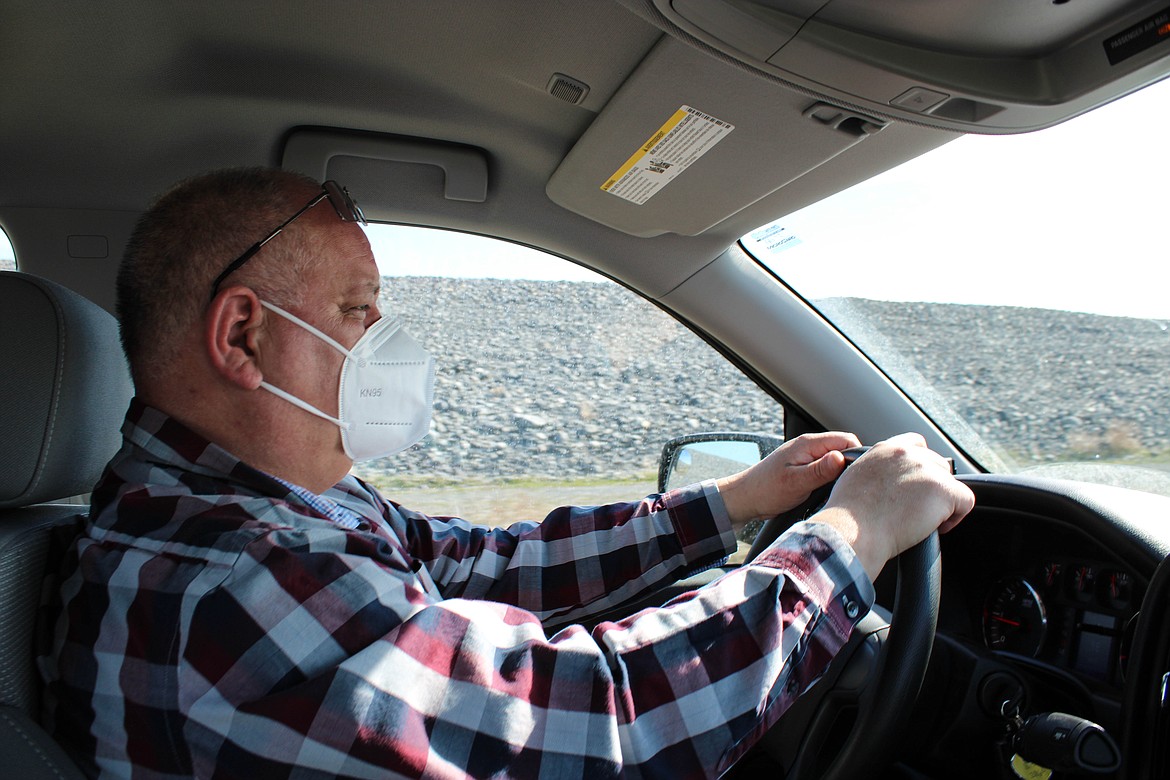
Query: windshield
[[1014, 287]]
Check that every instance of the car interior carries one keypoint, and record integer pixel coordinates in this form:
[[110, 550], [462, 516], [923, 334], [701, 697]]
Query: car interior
[[640, 139]]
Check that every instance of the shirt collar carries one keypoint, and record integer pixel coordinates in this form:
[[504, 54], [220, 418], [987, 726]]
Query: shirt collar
[[331, 509]]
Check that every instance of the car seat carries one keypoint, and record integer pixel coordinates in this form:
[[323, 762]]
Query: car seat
[[64, 389]]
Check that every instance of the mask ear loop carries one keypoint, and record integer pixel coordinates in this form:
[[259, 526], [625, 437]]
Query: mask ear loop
[[377, 333], [292, 399], [295, 319]]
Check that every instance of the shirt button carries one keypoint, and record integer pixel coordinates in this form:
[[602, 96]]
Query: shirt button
[[851, 608]]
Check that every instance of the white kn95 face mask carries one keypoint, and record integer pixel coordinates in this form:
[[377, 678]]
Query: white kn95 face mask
[[385, 393]]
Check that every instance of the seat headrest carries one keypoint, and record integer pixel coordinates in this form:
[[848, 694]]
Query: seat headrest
[[64, 389]]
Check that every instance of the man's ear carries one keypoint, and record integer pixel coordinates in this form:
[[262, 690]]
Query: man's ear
[[232, 333]]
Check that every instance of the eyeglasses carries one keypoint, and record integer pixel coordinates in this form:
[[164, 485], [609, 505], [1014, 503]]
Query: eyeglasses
[[331, 191]]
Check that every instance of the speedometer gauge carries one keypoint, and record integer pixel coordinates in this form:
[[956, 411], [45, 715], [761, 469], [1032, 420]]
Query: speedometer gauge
[[1014, 619]]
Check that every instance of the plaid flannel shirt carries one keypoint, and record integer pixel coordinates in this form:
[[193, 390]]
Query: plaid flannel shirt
[[212, 623]]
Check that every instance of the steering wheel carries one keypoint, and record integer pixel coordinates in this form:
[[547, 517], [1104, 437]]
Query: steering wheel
[[875, 678]]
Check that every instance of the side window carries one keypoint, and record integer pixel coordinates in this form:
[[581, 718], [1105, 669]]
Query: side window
[[553, 385], [7, 256]]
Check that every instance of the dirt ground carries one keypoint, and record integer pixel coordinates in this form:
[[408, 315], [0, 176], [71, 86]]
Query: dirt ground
[[501, 505]]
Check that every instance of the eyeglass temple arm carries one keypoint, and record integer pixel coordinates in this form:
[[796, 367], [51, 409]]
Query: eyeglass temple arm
[[252, 250], [239, 261]]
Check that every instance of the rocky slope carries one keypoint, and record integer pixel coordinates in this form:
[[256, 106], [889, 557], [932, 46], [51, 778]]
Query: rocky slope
[[544, 379]]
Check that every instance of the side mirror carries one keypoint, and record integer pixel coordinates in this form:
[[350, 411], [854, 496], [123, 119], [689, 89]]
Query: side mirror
[[700, 456]]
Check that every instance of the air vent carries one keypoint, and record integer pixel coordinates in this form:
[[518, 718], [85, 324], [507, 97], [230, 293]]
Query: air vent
[[567, 89]]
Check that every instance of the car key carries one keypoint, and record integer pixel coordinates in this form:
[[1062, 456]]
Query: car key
[[1026, 770], [1055, 741], [1009, 710]]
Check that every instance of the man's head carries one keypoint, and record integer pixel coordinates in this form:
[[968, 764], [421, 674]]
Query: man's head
[[200, 352], [187, 238]]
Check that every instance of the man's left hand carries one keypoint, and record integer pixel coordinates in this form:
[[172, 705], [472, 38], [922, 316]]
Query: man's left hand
[[786, 477]]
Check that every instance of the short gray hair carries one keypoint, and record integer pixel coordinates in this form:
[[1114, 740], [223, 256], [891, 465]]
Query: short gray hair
[[188, 237]]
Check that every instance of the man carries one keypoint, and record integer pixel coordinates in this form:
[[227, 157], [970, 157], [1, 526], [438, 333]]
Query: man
[[238, 606]]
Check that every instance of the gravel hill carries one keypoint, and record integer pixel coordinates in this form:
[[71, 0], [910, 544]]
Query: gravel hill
[[547, 378]]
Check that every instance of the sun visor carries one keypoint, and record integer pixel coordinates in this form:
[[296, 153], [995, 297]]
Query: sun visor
[[680, 155]]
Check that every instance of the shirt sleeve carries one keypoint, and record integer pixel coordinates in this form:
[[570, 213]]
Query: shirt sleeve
[[320, 654], [578, 561]]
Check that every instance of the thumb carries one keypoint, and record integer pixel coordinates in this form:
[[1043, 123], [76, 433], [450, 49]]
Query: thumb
[[825, 469]]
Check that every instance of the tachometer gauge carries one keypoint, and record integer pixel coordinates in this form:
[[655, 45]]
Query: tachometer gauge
[[1014, 619]]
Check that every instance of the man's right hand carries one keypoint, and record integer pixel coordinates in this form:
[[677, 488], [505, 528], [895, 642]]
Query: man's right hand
[[893, 497]]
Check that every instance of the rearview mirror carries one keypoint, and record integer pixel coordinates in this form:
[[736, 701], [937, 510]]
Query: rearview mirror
[[700, 456]]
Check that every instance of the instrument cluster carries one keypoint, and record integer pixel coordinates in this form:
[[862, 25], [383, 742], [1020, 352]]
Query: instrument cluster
[[1075, 614]]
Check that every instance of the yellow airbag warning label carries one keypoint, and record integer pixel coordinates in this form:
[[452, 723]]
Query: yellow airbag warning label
[[685, 137]]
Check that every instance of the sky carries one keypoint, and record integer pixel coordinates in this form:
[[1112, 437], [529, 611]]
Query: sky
[[1067, 218], [1073, 217], [411, 251]]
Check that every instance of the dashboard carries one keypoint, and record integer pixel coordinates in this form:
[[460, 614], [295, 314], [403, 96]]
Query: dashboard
[[1037, 587], [1041, 600]]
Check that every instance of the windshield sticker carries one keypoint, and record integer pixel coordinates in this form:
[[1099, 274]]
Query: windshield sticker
[[775, 238], [1138, 38], [685, 137]]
